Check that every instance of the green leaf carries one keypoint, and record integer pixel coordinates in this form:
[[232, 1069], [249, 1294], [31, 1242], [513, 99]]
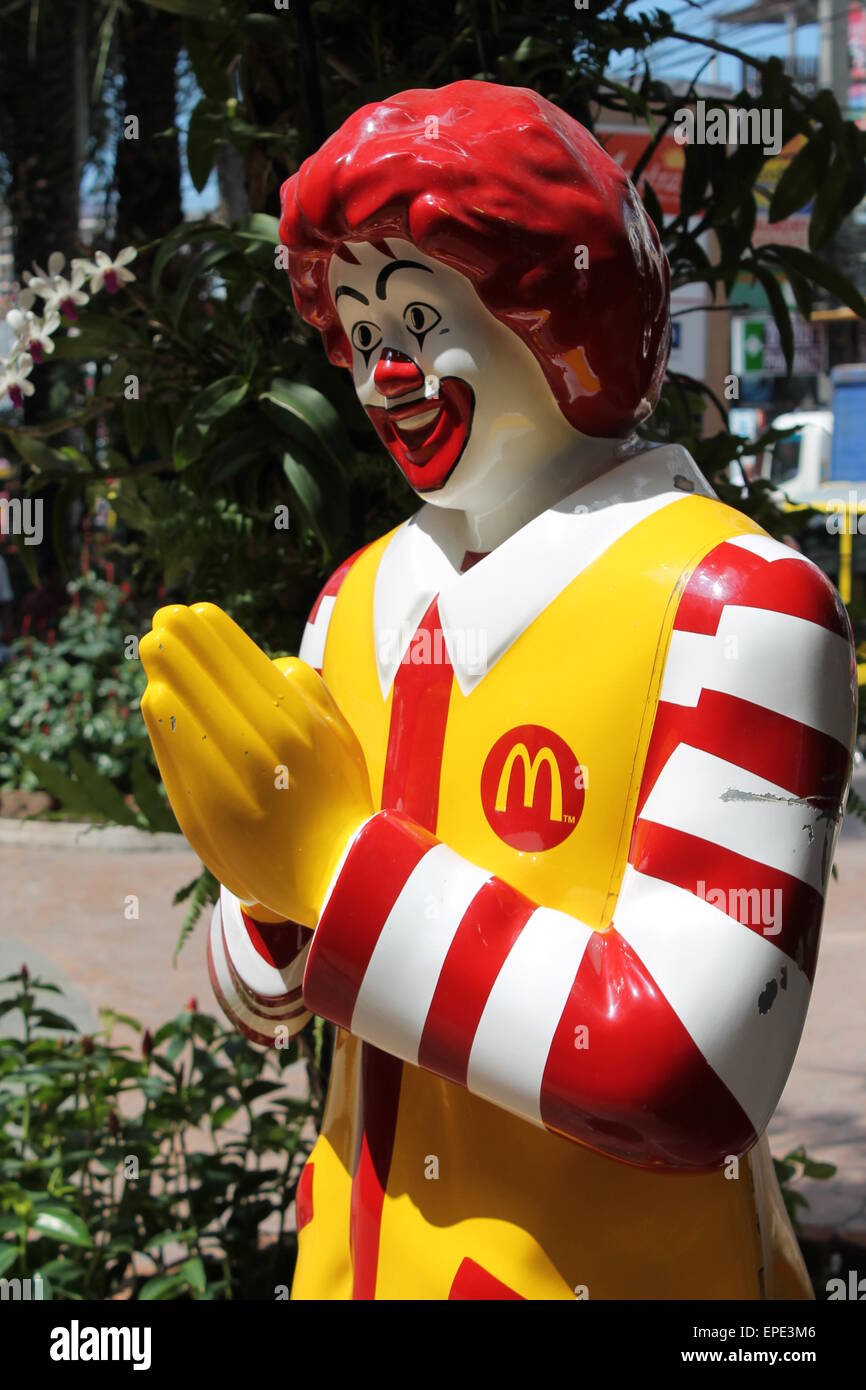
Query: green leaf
[[202, 139], [163, 1286], [42, 458], [802, 291], [305, 487], [68, 793], [262, 227], [134, 425], [191, 9], [829, 111], [780, 311], [652, 205], [170, 1237], [696, 176], [8, 1256], [299, 404], [60, 1224], [177, 243], [156, 811], [218, 399], [101, 792], [47, 1019], [194, 1273], [820, 272], [829, 209], [801, 179], [819, 1171], [202, 413], [200, 268]]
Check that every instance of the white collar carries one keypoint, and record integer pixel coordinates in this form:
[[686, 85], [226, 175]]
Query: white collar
[[485, 610]]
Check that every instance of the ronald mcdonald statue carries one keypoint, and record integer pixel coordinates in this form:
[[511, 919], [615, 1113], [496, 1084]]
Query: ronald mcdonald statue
[[565, 754]]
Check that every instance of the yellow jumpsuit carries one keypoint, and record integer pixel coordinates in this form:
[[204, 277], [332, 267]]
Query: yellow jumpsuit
[[416, 1187]]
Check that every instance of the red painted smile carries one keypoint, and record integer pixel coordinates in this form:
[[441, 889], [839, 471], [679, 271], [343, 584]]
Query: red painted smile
[[426, 437]]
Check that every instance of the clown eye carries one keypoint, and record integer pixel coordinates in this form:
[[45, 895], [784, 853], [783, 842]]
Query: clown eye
[[366, 337], [419, 319]]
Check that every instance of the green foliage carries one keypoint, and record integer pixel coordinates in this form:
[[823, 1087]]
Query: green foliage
[[74, 701], [200, 892], [789, 1170], [218, 1142], [238, 462]]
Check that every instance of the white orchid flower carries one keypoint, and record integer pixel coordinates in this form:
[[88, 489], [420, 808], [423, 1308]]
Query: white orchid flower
[[13, 379], [32, 333], [108, 273], [61, 295], [56, 262]]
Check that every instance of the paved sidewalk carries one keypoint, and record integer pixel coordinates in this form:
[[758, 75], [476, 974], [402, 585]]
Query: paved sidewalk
[[824, 1103], [62, 911]]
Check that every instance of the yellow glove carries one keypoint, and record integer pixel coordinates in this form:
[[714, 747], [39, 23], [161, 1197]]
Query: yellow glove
[[264, 775]]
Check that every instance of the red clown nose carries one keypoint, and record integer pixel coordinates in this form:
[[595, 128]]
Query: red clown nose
[[396, 374]]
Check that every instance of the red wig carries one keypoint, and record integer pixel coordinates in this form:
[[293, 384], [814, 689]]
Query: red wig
[[506, 188]]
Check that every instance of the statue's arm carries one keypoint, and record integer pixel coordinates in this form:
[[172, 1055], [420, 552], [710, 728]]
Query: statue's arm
[[667, 1038]]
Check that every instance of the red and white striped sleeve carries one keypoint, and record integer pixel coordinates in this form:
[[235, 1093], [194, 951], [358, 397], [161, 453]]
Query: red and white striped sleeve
[[256, 968], [665, 1039]]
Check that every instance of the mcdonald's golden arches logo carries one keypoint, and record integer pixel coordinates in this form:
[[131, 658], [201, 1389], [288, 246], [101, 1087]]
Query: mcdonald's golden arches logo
[[532, 788]]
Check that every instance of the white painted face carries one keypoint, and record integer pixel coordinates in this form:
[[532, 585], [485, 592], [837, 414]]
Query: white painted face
[[458, 400]]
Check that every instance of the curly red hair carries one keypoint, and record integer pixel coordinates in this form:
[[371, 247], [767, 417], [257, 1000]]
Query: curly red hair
[[504, 187]]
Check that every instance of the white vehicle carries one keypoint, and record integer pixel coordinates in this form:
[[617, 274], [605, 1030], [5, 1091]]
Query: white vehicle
[[800, 464]]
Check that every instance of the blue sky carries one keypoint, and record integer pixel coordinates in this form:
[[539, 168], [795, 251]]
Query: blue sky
[[675, 60]]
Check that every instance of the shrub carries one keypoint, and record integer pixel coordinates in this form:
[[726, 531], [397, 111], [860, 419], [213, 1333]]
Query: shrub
[[76, 692], [168, 1169]]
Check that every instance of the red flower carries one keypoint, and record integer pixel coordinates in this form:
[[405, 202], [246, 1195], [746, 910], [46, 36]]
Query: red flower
[[192, 1004], [146, 1043]]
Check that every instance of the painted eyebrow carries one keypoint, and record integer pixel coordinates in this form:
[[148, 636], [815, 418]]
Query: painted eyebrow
[[356, 294], [382, 278]]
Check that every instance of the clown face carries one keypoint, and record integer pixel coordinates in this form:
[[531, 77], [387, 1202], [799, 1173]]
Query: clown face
[[457, 399]]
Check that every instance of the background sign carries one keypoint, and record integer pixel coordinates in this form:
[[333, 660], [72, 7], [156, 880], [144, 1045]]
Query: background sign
[[757, 351]]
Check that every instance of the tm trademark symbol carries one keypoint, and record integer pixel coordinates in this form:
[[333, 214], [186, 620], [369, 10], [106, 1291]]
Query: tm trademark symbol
[[569, 820]]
